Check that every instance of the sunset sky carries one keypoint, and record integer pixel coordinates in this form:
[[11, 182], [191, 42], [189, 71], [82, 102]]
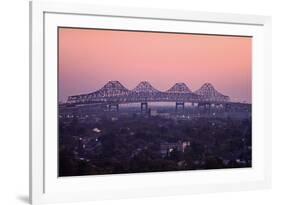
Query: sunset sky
[[89, 58]]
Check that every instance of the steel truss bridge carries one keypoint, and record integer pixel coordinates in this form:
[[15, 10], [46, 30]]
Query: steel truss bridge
[[114, 93]]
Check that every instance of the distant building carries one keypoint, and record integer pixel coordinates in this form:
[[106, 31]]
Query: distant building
[[164, 115], [167, 148], [153, 113], [114, 119], [96, 130]]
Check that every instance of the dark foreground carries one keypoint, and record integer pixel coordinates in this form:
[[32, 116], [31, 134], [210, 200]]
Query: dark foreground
[[130, 142]]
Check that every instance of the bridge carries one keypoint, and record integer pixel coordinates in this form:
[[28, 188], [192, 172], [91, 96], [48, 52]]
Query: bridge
[[114, 93]]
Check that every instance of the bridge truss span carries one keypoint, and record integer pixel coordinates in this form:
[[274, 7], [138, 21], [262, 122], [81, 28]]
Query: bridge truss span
[[115, 92]]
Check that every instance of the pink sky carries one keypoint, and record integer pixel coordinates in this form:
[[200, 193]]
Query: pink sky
[[89, 58]]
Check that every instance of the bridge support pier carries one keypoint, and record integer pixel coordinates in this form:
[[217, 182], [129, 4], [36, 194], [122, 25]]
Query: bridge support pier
[[227, 107], [113, 107], [194, 107], [218, 107], [144, 107], [208, 107], [198, 107], [179, 104]]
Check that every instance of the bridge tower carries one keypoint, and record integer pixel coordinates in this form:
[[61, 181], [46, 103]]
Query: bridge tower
[[144, 107], [179, 104]]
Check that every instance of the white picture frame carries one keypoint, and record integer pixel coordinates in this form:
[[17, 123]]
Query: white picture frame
[[46, 187]]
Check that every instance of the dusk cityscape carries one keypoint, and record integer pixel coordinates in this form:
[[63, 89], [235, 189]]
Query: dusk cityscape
[[135, 102]]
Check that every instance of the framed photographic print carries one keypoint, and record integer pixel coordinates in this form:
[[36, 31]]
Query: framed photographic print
[[129, 102]]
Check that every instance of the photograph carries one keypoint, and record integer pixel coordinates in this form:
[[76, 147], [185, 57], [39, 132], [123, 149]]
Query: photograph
[[137, 101]]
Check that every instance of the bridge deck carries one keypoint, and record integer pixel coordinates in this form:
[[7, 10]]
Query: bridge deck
[[132, 97]]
